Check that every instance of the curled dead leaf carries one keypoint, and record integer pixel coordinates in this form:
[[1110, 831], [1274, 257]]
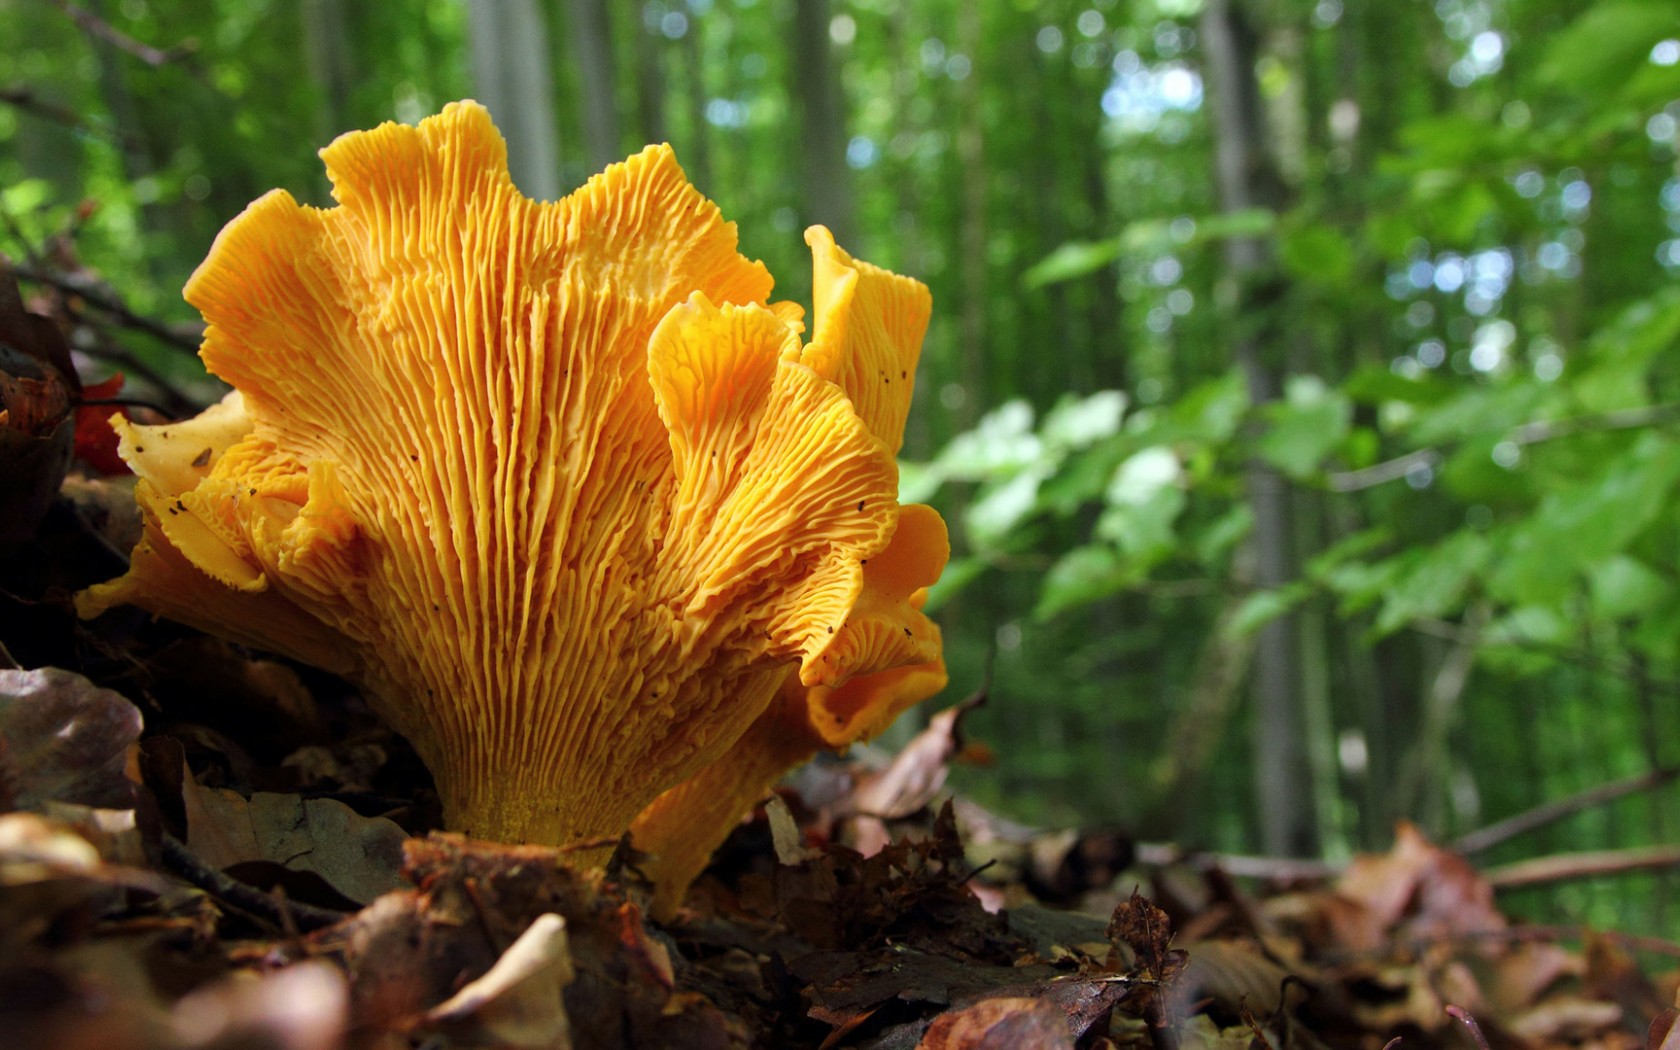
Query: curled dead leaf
[[520, 1001], [1005, 1023], [64, 739]]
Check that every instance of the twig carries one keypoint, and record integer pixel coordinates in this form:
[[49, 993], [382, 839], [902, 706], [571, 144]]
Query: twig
[[1276, 869], [1584, 658], [1463, 1017], [25, 99], [277, 910], [1552, 934], [1620, 419], [97, 27], [29, 250], [1526, 434], [123, 402], [1384, 472], [1564, 867], [1550, 812], [185, 338], [178, 404]]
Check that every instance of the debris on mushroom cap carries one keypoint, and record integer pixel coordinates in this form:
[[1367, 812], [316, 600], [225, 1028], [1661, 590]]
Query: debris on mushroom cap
[[553, 482]]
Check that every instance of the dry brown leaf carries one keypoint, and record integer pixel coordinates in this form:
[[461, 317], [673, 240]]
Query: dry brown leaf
[[520, 1003], [301, 1007], [64, 739], [1008, 1023], [360, 857]]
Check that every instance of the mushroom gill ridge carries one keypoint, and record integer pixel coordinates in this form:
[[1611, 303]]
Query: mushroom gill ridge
[[553, 482]]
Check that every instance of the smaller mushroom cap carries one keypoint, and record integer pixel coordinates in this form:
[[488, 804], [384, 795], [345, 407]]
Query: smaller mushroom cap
[[868, 329]]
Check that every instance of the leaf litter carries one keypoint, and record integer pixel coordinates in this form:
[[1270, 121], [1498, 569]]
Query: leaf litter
[[200, 848]]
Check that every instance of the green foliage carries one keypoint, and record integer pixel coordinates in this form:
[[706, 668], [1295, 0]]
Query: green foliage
[[1468, 279]]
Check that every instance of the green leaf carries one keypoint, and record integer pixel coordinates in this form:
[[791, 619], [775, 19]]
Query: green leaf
[[1218, 539], [1355, 545], [999, 446], [1144, 528], [1596, 51], [1077, 423], [1213, 410], [1072, 260], [1143, 475], [1245, 222], [958, 574], [1262, 607], [1001, 507], [1586, 523], [1433, 581], [1319, 254], [1081, 576], [1147, 237], [918, 482], [1624, 587], [1084, 476], [1614, 372], [1375, 384], [1305, 427]]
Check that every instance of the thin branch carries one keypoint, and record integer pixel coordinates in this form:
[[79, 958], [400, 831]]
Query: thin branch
[[1493, 834], [247, 898], [1536, 934], [176, 402], [1274, 869], [180, 337], [30, 252], [1567, 867], [25, 99], [1583, 658], [1527, 434], [1384, 472], [1620, 419], [97, 27]]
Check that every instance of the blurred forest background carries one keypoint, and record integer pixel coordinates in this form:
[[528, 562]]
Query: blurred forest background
[[1301, 391]]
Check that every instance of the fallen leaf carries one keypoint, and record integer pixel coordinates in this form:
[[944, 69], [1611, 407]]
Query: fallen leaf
[[96, 439], [1000, 1024], [520, 1002], [360, 857], [37, 387], [301, 1007], [918, 772], [64, 739]]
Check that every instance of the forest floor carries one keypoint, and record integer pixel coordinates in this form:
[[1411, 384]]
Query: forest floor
[[211, 849], [205, 849]]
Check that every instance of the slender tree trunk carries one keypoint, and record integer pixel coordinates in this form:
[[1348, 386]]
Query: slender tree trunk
[[650, 84], [971, 233], [699, 162], [1247, 178], [510, 63], [822, 123], [326, 54], [589, 23]]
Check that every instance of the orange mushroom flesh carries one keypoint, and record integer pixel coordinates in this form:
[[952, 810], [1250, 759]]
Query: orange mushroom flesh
[[552, 481]]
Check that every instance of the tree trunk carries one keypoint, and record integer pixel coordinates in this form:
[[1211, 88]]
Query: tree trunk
[[510, 64], [699, 154], [822, 123], [1247, 178], [971, 232], [326, 54], [589, 23], [650, 84]]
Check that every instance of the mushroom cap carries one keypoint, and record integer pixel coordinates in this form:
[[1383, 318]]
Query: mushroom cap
[[552, 481], [683, 826], [868, 333]]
